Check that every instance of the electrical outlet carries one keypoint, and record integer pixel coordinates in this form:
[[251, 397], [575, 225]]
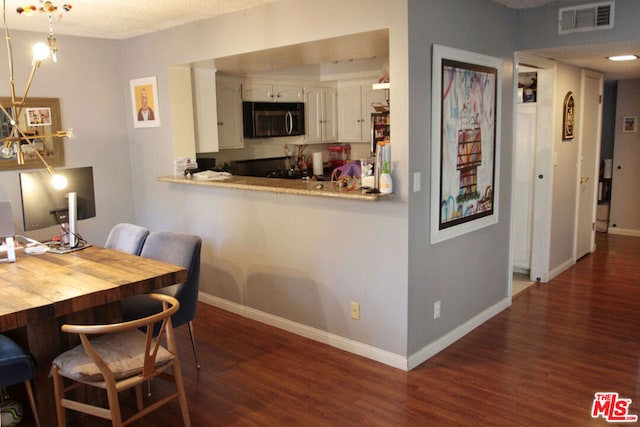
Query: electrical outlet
[[436, 309], [355, 311]]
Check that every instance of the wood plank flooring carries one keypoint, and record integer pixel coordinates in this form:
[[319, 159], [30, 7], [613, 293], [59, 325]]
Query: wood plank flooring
[[538, 363]]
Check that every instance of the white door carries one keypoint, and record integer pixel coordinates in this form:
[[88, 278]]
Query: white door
[[591, 118], [524, 161]]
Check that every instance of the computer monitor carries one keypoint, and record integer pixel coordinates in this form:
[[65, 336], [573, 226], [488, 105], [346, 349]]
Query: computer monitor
[[45, 206]]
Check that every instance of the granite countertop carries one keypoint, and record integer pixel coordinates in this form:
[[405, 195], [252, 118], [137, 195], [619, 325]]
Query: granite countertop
[[282, 186]]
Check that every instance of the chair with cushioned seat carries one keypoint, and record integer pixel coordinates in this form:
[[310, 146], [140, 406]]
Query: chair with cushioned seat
[[128, 238], [121, 357], [16, 367], [179, 249]]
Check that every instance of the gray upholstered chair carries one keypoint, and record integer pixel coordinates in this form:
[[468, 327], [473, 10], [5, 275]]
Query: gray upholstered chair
[[125, 237], [179, 249]]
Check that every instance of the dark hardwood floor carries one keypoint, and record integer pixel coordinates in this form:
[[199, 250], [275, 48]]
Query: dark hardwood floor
[[538, 363]]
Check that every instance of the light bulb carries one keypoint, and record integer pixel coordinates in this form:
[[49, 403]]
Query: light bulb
[[58, 181], [40, 51]]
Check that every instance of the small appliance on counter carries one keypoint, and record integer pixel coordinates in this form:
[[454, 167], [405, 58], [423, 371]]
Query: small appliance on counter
[[339, 154]]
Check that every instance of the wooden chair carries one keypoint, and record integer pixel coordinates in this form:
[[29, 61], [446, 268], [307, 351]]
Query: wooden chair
[[122, 357]]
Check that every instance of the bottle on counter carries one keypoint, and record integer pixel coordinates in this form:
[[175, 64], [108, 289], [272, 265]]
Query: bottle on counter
[[386, 184]]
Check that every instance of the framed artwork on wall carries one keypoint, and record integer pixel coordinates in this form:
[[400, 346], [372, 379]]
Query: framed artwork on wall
[[629, 124], [40, 120], [466, 93], [568, 117], [144, 102]]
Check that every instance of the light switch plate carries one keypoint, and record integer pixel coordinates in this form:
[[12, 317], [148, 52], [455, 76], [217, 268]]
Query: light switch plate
[[416, 182]]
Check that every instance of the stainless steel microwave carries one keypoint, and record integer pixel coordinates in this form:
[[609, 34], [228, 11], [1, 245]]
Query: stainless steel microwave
[[272, 119]]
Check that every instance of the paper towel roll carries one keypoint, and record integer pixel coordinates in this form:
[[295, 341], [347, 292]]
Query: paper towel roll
[[318, 168]]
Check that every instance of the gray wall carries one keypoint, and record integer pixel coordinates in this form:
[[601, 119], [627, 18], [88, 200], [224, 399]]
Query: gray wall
[[88, 81], [624, 218], [538, 27], [468, 274]]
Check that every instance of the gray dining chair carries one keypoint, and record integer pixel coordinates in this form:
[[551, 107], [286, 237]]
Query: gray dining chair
[[128, 238], [179, 249]]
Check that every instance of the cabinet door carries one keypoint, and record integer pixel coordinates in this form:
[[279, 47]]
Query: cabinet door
[[313, 113], [288, 93], [330, 115], [350, 116], [229, 107], [252, 91]]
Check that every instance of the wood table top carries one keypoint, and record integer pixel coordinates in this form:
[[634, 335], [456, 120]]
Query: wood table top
[[38, 287]]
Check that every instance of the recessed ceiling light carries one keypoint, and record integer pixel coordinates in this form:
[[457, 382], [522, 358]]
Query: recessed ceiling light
[[623, 58]]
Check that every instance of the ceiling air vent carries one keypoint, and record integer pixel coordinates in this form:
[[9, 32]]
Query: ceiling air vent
[[587, 17]]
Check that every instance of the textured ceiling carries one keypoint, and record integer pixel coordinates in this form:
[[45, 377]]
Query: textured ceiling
[[120, 19]]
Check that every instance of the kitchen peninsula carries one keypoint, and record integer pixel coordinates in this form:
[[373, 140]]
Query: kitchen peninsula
[[283, 186]]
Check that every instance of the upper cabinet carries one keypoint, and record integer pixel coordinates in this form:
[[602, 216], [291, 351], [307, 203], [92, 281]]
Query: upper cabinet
[[321, 111], [356, 101], [262, 91]]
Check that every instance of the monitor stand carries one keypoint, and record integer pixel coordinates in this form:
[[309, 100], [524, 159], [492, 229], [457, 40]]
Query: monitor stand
[[70, 241]]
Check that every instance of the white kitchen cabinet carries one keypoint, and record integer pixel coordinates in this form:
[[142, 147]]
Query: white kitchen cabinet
[[355, 102], [321, 111], [229, 106], [269, 92]]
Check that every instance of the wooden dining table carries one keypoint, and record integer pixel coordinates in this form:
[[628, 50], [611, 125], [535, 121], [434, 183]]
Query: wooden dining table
[[39, 293]]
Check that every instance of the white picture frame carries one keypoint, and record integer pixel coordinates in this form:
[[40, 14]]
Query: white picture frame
[[465, 172], [145, 90]]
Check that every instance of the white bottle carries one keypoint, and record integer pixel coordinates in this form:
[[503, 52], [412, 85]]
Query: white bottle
[[386, 185]]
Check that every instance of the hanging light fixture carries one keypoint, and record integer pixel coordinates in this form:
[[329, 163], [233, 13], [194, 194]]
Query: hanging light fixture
[[11, 145]]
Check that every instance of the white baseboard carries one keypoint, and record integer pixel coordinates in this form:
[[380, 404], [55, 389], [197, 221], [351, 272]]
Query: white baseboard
[[445, 341], [351, 346], [624, 231], [391, 359], [562, 267]]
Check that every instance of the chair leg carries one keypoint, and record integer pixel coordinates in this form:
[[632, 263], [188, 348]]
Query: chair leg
[[32, 402], [182, 396], [58, 388], [193, 344]]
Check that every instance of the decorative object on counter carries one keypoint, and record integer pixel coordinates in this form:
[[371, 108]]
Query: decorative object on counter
[[347, 176], [466, 107], [386, 184]]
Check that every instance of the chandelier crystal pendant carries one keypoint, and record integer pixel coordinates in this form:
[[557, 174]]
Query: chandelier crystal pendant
[[11, 144]]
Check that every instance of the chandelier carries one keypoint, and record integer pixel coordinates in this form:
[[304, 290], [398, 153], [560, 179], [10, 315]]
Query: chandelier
[[17, 136]]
